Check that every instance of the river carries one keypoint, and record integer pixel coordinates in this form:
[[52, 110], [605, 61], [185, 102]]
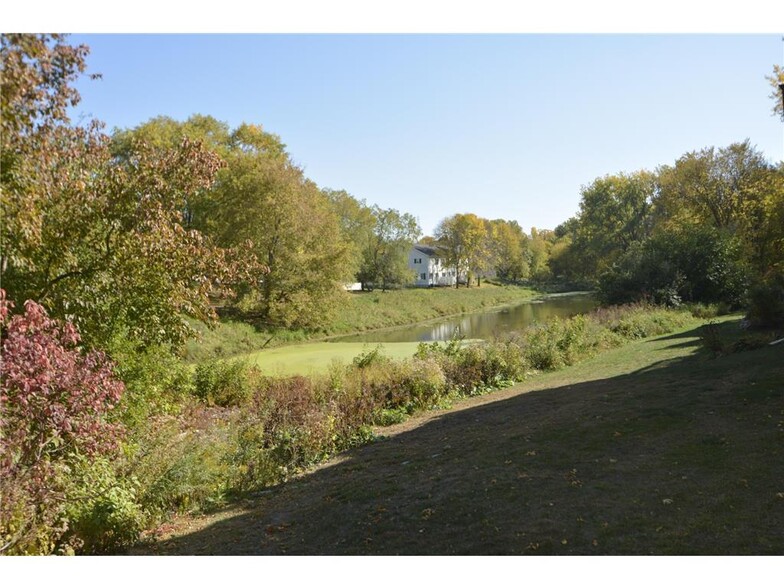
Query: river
[[485, 324]]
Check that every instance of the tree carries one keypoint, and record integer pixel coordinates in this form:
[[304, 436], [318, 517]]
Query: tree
[[711, 185], [37, 72], [385, 257], [97, 239], [262, 197], [539, 246], [357, 222], [509, 250], [685, 264], [464, 239], [614, 213], [776, 80], [564, 260]]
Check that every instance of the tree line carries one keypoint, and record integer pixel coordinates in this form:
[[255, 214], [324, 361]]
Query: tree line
[[708, 228], [109, 243], [126, 233]]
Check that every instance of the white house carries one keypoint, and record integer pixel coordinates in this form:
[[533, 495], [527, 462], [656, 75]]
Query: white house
[[429, 266]]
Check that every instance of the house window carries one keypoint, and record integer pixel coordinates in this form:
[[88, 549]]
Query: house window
[[423, 276]]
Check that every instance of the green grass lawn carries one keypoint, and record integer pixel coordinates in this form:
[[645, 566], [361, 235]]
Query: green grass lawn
[[656, 447]]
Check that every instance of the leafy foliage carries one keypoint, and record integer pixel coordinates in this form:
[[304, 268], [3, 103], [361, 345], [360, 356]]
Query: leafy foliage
[[776, 79], [464, 240], [509, 250], [766, 302], [261, 203], [385, 257], [55, 400], [702, 264], [614, 214], [97, 239]]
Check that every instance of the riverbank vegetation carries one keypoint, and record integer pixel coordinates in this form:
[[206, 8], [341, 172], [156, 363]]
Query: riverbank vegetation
[[359, 312], [657, 447], [185, 441], [117, 250]]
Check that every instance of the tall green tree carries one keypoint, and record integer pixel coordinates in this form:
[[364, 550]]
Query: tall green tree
[[539, 246], [261, 198], [357, 222], [98, 240], [463, 237], [614, 214], [509, 250], [385, 257], [711, 185], [264, 198]]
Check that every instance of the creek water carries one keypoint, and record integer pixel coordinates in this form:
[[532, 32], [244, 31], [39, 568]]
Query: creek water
[[485, 324]]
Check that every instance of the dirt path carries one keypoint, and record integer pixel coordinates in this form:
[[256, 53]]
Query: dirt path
[[659, 454]]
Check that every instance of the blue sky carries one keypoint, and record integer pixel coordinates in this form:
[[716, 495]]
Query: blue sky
[[505, 126]]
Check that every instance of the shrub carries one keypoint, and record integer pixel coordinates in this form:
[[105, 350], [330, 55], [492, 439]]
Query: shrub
[[640, 320], [708, 310], [541, 350], [712, 340], [182, 463], [103, 512], [367, 358], [55, 401], [766, 302], [156, 381], [223, 383]]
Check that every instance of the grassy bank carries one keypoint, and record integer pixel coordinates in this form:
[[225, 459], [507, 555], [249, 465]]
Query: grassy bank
[[246, 432], [376, 310], [663, 445], [360, 311]]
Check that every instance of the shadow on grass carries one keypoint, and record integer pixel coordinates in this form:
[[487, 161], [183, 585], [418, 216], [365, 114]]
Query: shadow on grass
[[682, 456]]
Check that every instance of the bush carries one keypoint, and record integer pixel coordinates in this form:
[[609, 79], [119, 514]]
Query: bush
[[709, 310], [156, 381], [766, 302], [223, 383], [638, 321], [103, 512], [183, 463], [558, 343], [55, 401]]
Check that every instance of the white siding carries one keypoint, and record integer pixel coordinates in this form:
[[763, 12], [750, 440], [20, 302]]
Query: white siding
[[430, 270]]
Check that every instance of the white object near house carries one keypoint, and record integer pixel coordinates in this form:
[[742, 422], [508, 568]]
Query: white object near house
[[429, 266]]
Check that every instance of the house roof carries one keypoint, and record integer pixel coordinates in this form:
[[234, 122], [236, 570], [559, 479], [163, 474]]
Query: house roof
[[429, 251]]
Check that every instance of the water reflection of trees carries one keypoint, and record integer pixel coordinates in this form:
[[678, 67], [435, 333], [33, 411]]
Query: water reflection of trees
[[484, 325], [488, 324]]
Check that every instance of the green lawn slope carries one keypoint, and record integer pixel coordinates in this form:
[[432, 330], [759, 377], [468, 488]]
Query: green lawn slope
[[656, 447]]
